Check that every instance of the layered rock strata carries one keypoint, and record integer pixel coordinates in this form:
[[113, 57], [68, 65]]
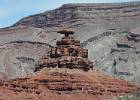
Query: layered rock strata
[[65, 86], [107, 25], [118, 15], [67, 54]]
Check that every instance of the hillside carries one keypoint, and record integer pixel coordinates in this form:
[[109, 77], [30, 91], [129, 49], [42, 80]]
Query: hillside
[[62, 85], [109, 31]]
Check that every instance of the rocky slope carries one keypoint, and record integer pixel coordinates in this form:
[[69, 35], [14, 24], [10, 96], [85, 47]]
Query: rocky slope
[[104, 29], [19, 51], [18, 58], [62, 85]]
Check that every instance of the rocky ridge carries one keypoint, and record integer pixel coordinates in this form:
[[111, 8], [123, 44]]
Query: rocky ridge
[[79, 14]]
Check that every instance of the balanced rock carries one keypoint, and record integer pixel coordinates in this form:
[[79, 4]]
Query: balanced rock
[[67, 54]]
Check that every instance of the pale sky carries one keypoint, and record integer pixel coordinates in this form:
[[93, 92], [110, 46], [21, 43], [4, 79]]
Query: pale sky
[[13, 10]]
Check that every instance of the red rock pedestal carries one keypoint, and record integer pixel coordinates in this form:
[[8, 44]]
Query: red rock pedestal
[[67, 54]]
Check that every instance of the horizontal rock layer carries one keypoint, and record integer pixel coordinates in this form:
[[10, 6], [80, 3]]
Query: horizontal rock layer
[[52, 85]]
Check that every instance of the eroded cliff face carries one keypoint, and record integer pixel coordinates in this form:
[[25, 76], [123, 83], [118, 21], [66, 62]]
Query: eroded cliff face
[[102, 28], [62, 85]]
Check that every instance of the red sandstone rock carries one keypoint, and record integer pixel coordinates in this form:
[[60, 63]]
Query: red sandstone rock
[[65, 86], [67, 54]]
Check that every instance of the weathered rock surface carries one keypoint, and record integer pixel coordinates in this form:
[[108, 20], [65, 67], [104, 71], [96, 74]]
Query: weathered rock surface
[[17, 59], [102, 28], [67, 54], [123, 59], [20, 47], [109, 16], [55, 80], [55, 85]]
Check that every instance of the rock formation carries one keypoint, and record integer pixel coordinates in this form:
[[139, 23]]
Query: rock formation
[[65, 80], [112, 16], [55, 85], [104, 27], [67, 54]]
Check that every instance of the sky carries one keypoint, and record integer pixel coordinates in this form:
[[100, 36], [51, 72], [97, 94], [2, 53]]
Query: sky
[[12, 11]]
